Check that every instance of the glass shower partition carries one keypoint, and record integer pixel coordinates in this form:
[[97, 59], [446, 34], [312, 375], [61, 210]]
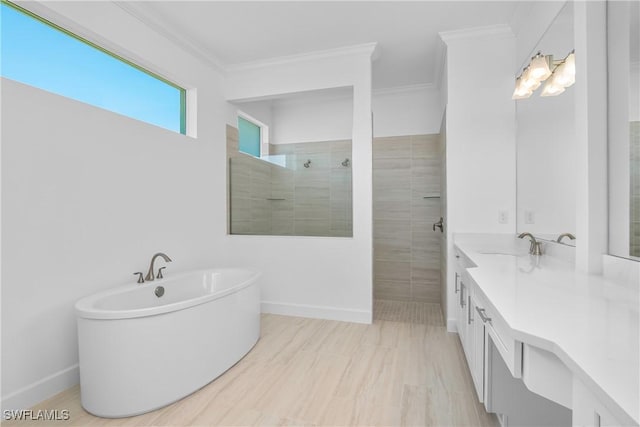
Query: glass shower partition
[[301, 189]]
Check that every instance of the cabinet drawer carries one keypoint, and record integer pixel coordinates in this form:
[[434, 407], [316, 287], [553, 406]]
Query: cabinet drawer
[[509, 348]]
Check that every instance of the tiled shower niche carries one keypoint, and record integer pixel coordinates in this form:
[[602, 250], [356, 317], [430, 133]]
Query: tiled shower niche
[[279, 195]]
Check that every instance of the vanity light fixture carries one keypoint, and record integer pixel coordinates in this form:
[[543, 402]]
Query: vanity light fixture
[[521, 91], [539, 67], [559, 75]]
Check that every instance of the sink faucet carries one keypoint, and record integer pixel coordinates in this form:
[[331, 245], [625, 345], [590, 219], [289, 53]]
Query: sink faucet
[[563, 235], [535, 248], [150, 275]]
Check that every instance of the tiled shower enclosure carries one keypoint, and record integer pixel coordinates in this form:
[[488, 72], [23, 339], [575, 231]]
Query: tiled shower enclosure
[[301, 189]]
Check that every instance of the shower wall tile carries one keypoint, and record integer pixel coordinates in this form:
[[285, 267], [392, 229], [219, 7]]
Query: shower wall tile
[[392, 147], [393, 290], [232, 133], [391, 210], [425, 209], [282, 227], [240, 209], [339, 211], [261, 227], [311, 227], [406, 250], [392, 270], [425, 292], [317, 200], [340, 228], [425, 146], [260, 210], [241, 227], [312, 209], [425, 176], [392, 240]]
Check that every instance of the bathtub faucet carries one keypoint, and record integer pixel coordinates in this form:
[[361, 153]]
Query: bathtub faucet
[[150, 275]]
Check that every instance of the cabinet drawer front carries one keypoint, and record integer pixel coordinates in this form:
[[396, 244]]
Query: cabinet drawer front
[[509, 348]]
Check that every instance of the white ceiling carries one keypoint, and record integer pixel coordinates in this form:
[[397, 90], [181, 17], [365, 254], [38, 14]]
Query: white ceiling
[[406, 32]]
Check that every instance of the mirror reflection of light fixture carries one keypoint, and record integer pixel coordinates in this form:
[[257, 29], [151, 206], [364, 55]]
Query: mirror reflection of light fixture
[[559, 75], [565, 74], [521, 92], [552, 89]]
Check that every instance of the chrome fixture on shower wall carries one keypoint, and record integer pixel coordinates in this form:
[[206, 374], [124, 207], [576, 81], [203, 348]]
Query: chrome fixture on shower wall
[[307, 163], [346, 162]]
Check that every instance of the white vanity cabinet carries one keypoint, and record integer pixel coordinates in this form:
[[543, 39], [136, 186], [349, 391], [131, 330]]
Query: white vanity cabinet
[[470, 327], [546, 346], [477, 349], [588, 411], [461, 296], [495, 358]]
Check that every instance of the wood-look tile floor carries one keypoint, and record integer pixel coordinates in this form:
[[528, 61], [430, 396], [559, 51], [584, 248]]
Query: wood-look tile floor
[[403, 370]]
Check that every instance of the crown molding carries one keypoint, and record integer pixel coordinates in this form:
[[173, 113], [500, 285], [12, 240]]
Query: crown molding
[[370, 49], [159, 27], [402, 89], [319, 98], [340, 95], [490, 31], [440, 62]]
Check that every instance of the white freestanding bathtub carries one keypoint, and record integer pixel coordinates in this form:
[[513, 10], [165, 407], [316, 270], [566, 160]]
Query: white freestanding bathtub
[[139, 352]]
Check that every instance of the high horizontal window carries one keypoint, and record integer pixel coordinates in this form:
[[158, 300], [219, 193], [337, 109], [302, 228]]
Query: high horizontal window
[[41, 54]]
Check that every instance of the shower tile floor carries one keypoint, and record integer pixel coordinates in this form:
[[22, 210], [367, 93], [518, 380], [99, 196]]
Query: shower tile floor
[[404, 369]]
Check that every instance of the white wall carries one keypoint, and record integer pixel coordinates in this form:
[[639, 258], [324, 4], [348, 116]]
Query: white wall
[[480, 136], [407, 111], [414, 110], [316, 276], [310, 120], [88, 196], [590, 28]]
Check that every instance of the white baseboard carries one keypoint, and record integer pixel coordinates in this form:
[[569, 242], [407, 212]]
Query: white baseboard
[[317, 312], [40, 390], [452, 325]]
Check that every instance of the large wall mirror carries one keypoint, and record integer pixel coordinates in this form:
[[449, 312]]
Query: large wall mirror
[[546, 148], [290, 165], [623, 39]]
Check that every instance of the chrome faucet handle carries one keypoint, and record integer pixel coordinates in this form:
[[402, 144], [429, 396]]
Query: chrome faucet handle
[[159, 275], [140, 278]]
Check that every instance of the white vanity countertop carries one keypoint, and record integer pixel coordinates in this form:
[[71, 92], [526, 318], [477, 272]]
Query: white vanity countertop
[[589, 322]]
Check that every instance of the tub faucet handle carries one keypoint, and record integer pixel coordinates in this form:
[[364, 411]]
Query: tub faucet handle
[[159, 275], [140, 276]]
